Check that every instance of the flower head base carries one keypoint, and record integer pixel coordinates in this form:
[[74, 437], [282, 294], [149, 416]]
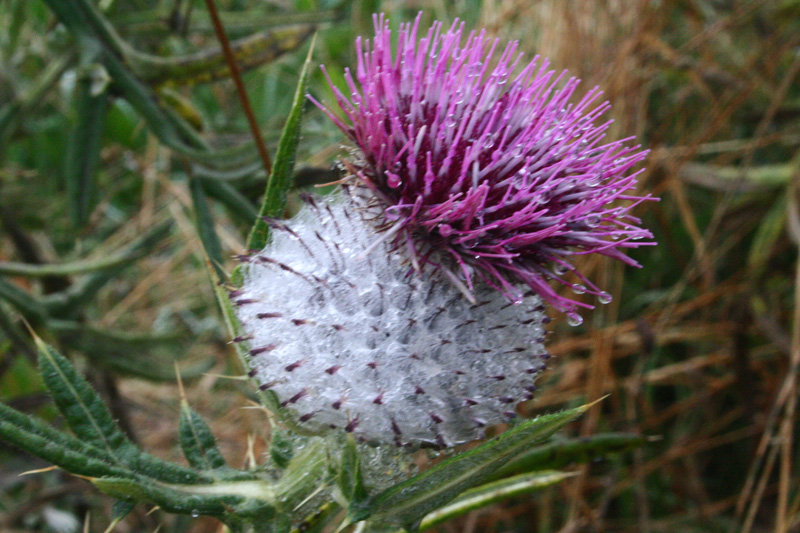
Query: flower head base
[[484, 174], [347, 340]]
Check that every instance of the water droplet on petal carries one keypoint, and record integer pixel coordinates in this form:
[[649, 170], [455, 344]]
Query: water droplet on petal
[[574, 319], [592, 221], [560, 269], [578, 288], [604, 298]]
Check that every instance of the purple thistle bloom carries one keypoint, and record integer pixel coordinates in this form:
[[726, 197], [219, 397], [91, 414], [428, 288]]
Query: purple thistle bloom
[[485, 174]]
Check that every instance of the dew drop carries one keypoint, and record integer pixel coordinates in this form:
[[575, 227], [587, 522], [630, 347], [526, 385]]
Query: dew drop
[[560, 269], [604, 298], [592, 221], [578, 288], [195, 513], [594, 181], [574, 319]]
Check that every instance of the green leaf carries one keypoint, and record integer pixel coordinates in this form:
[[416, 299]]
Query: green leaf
[[23, 302], [121, 509], [197, 441], [82, 266], [350, 480], [560, 453], [207, 65], [83, 150], [281, 177], [73, 300], [205, 226], [405, 504], [281, 448], [238, 205], [491, 493], [61, 449], [91, 422], [83, 409], [306, 474], [212, 499]]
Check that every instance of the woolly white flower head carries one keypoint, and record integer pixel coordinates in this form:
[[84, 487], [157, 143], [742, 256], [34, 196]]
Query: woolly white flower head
[[347, 339]]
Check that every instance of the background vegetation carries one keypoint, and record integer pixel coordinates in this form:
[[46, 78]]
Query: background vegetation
[[123, 144]]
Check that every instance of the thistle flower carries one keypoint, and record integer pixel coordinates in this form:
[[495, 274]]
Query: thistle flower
[[346, 339], [468, 180], [491, 177]]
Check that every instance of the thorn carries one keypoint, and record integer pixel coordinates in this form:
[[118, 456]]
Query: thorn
[[181, 390], [268, 385], [294, 366], [262, 349], [295, 398], [41, 471]]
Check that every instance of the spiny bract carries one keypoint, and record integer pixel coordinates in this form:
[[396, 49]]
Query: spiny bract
[[346, 338]]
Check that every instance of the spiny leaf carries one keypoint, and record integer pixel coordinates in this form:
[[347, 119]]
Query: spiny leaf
[[281, 177], [217, 499], [405, 504], [560, 453], [491, 493], [197, 441], [59, 448], [27, 425], [91, 422], [350, 480], [83, 409]]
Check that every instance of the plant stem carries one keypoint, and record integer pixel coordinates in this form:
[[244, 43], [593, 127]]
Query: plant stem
[[237, 80]]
